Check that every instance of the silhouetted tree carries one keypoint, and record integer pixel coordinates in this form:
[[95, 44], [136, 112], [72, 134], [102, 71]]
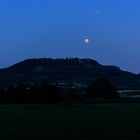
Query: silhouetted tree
[[102, 88], [49, 93], [21, 94], [2, 94], [34, 92], [16, 94], [45, 93], [74, 96]]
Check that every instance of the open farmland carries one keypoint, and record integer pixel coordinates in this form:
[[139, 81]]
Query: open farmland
[[75, 122]]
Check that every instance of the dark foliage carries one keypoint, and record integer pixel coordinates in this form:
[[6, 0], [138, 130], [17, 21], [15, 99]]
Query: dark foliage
[[102, 88], [75, 96], [50, 93], [42, 94], [16, 94]]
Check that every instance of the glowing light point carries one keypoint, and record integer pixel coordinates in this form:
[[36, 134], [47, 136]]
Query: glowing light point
[[86, 40]]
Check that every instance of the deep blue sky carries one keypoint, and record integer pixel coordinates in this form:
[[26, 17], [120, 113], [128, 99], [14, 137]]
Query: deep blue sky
[[56, 28]]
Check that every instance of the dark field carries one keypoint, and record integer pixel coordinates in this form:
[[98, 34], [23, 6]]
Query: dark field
[[77, 122]]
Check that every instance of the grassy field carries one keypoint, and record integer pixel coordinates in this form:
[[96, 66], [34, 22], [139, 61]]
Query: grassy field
[[77, 122]]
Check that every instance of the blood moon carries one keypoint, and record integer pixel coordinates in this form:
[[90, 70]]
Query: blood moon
[[86, 40]]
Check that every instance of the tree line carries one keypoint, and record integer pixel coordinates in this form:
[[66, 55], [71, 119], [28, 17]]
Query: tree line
[[45, 93]]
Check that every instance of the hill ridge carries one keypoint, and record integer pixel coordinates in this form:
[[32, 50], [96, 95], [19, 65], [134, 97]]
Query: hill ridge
[[67, 70]]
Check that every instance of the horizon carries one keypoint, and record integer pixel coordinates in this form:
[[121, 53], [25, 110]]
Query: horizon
[[68, 58], [57, 29]]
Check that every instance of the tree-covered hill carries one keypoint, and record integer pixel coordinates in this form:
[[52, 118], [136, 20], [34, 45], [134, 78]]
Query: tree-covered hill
[[69, 70]]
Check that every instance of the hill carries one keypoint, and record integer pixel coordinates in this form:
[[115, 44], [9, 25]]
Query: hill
[[70, 70]]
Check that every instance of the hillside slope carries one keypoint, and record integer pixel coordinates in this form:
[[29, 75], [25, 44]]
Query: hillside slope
[[73, 70]]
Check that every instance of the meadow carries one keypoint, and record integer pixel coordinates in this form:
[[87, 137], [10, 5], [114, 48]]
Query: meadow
[[112, 121]]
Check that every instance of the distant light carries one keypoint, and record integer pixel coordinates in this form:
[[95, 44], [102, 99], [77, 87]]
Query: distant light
[[86, 40]]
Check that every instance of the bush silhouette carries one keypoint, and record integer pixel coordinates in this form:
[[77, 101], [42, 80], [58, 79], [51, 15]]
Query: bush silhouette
[[49, 93], [42, 94], [16, 94], [34, 94], [45, 93], [102, 88], [74, 96]]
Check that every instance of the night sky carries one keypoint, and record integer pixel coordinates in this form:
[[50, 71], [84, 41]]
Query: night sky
[[57, 28]]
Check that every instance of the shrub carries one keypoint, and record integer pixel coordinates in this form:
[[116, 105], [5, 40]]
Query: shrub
[[102, 88]]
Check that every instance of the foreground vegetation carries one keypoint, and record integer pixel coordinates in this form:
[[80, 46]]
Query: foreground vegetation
[[74, 122], [45, 93]]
